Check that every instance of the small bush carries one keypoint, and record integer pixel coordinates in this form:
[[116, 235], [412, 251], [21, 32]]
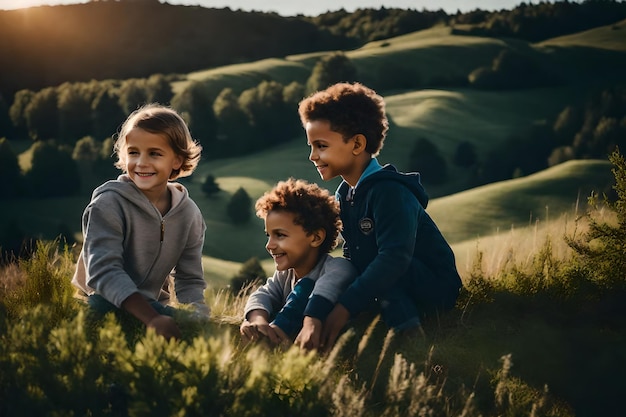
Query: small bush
[[239, 208]]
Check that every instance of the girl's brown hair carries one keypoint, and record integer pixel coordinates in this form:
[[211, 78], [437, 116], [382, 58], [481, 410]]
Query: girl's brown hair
[[162, 120]]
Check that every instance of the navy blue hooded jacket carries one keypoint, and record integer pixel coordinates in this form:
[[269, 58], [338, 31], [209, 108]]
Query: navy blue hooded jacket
[[391, 240]]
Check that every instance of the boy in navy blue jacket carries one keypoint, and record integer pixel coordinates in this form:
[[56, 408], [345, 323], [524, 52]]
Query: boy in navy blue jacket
[[404, 263]]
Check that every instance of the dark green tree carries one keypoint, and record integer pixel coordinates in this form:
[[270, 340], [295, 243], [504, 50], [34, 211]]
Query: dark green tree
[[17, 111], [239, 208], [465, 155], [15, 243], [74, 113], [42, 115], [567, 123], [269, 115], [107, 114], [234, 131], [250, 274], [428, 161], [331, 69], [104, 167], [210, 186], [159, 89], [6, 125], [602, 249], [10, 171], [195, 103], [132, 94], [53, 172]]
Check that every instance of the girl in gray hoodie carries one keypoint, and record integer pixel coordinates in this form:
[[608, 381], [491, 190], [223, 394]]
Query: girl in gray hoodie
[[141, 228]]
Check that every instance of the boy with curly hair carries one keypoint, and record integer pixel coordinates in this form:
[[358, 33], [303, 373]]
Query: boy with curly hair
[[302, 225], [404, 263]]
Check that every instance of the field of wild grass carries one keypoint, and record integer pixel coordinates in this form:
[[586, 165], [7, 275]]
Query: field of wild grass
[[539, 330]]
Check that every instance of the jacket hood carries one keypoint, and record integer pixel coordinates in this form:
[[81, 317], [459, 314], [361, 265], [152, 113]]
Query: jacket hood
[[411, 180]]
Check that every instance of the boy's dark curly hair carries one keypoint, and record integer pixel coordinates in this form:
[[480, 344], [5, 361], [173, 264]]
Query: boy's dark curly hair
[[313, 208], [350, 109]]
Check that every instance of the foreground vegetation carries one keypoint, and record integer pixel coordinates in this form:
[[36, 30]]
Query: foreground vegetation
[[542, 335]]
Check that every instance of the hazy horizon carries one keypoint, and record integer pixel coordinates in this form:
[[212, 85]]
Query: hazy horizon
[[293, 8]]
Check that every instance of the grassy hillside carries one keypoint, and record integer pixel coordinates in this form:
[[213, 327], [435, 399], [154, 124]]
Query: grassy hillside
[[444, 116], [520, 202], [604, 37]]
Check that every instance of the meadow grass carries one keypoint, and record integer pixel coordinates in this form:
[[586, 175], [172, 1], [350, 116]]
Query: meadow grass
[[603, 37], [445, 116], [505, 350]]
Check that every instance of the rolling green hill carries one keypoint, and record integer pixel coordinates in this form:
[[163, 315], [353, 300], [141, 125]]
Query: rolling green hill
[[444, 116]]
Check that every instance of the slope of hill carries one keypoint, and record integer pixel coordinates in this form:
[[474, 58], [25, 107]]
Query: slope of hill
[[604, 37], [445, 116], [520, 202]]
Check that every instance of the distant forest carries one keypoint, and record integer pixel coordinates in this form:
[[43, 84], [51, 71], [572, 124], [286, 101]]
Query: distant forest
[[48, 45]]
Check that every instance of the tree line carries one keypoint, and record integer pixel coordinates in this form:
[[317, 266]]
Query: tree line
[[88, 41], [74, 125]]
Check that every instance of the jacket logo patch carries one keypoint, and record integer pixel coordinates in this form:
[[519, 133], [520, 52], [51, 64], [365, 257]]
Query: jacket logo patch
[[366, 225]]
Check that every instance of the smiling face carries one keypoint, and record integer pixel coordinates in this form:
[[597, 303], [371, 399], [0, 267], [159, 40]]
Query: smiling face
[[332, 155], [289, 244], [150, 161]]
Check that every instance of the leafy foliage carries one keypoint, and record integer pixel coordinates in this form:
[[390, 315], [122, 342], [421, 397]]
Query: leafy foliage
[[428, 161], [603, 248], [53, 172], [250, 275], [330, 69], [10, 171], [210, 186], [239, 208]]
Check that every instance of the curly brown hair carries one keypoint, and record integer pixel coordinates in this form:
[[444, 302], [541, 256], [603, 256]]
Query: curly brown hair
[[350, 108], [159, 119], [313, 208]]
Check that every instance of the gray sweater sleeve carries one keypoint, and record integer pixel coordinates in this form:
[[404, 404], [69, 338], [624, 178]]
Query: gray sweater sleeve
[[189, 282], [103, 252], [271, 296], [334, 278], [336, 275]]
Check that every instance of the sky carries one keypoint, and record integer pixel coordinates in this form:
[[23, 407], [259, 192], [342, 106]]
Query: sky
[[312, 8]]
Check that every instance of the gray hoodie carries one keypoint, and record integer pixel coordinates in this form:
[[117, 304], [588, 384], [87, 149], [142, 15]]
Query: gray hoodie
[[129, 247]]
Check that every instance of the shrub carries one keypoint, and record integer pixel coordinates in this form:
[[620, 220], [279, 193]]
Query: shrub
[[10, 171], [239, 208], [427, 159], [209, 186], [53, 172], [602, 249], [465, 155], [250, 274], [330, 69]]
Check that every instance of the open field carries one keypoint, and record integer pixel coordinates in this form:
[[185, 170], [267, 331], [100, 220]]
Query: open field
[[446, 116]]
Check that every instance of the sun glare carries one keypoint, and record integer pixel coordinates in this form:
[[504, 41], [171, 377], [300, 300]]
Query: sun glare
[[22, 4]]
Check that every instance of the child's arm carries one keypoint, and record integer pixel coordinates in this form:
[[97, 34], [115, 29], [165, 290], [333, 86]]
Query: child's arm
[[260, 305], [289, 318], [189, 283], [165, 326], [335, 322], [337, 274]]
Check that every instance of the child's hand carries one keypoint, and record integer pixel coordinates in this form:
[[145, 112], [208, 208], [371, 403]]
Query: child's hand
[[164, 326], [333, 325], [279, 337], [310, 335], [250, 330]]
